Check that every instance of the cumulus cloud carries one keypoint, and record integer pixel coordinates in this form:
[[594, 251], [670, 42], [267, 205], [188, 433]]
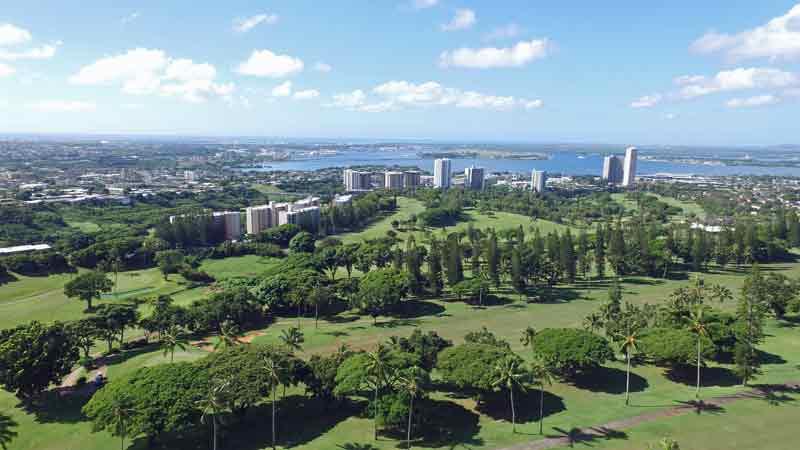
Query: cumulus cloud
[[62, 106], [43, 52], [462, 20], [647, 101], [509, 31], [519, 55], [13, 35], [322, 67], [282, 90], [737, 79], [394, 95], [308, 94], [243, 25], [777, 39], [264, 63], [750, 102], [424, 4], [144, 71], [6, 70]]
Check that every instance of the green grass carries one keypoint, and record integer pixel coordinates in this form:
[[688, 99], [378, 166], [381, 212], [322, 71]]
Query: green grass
[[86, 227], [689, 208]]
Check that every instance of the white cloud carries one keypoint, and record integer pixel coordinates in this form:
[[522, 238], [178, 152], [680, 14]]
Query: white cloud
[[462, 20], [509, 31], [424, 4], [143, 71], [738, 79], [62, 106], [308, 94], [395, 95], [647, 101], [322, 67], [683, 80], [519, 55], [6, 70], [759, 100], [777, 39], [670, 116], [264, 63], [13, 35], [246, 24], [43, 52], [130, 18], [282, 90]]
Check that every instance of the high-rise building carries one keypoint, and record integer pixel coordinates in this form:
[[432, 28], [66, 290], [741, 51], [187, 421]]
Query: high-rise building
[[356, 181], [393, 180], [411, 179], [473, 178], [538, 180], [307, 218], [441, 173], [612, 169], [231, 224], [259, 218], [629, 173]]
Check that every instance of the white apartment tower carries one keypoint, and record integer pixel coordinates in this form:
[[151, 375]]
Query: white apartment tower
[[393, 180], [356, 181], [629, 169], [441, 173], [259, 218], [473, 178], [538, 180]]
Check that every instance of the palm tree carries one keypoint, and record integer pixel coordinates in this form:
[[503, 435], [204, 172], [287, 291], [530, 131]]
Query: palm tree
[[528, 335], [628, 346], [211, 406], [542, 374], [412, 382], [273, 370], [171, 339], [508, 374], [292, 339], [121, 410], [698, 326], [6, 433], [377, 368], [229, 334], [593, 322]]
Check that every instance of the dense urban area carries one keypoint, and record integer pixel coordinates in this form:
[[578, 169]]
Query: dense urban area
[[167, 295]]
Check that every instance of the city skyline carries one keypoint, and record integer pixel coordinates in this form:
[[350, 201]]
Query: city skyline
[[466, 70]]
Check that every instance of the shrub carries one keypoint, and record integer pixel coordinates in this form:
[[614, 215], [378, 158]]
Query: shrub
[[569, 351], [674, 347]]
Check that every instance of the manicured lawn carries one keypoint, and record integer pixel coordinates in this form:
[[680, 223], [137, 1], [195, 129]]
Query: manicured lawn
[[688, 207], [86, 227]]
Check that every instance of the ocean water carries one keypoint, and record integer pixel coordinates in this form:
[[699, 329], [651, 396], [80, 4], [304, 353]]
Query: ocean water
[[566, 163]]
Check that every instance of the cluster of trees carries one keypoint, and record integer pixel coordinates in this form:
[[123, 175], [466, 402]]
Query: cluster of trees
[[357, 213], [33, 264]]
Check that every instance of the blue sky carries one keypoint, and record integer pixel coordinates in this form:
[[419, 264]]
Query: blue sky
[[681, 72]]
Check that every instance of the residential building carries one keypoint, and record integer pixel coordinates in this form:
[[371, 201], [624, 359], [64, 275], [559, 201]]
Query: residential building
[[538, 180], [411, 179], [612, 169], [341, 200], [473, 178], [441, 173], [393, 180], [307, 218], [357, 181], [230, 222], [260, 218], [629, 173]]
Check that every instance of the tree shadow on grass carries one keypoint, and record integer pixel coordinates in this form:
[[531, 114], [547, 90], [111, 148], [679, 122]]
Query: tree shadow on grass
[[497, 405], [448, 424], [609, 380], [411, 309], [776, 394], [703, 407], [356, 446], [587, 436], [121, 357], [300, 420], [709, 376], [397, 323], [789, 321], [339, 319], [59, 405], [555, 294], [770, 358]]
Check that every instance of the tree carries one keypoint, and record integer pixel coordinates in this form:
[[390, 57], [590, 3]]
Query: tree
[[528, 336], [569, 351], [171, 339], [509, 374], [169, 261], [211, 405], [273, 370], [469, 366], [413, 382], [112, 319], [34, 355], [121, 411], [83, 332], [229, 335], [292, 339], [600, 251], [7, 434], [435, 281], [88, 286], [379, 291], [302, 242], [628, 347], [543, 375], [698, 327], [749, 327]]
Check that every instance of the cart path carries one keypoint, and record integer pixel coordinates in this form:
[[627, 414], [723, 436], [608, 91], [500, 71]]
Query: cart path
[[610, 429]]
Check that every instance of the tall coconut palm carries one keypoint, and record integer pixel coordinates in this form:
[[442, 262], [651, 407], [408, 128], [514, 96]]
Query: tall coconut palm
[[413, 383], [121, 410], [528, 335], [292, 339], [172, 338], [593, 322], [211, 406], [543, 375], [229, 334], [274, 375], [698, 327], [377, 369], [509, 374], [628, 347]]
